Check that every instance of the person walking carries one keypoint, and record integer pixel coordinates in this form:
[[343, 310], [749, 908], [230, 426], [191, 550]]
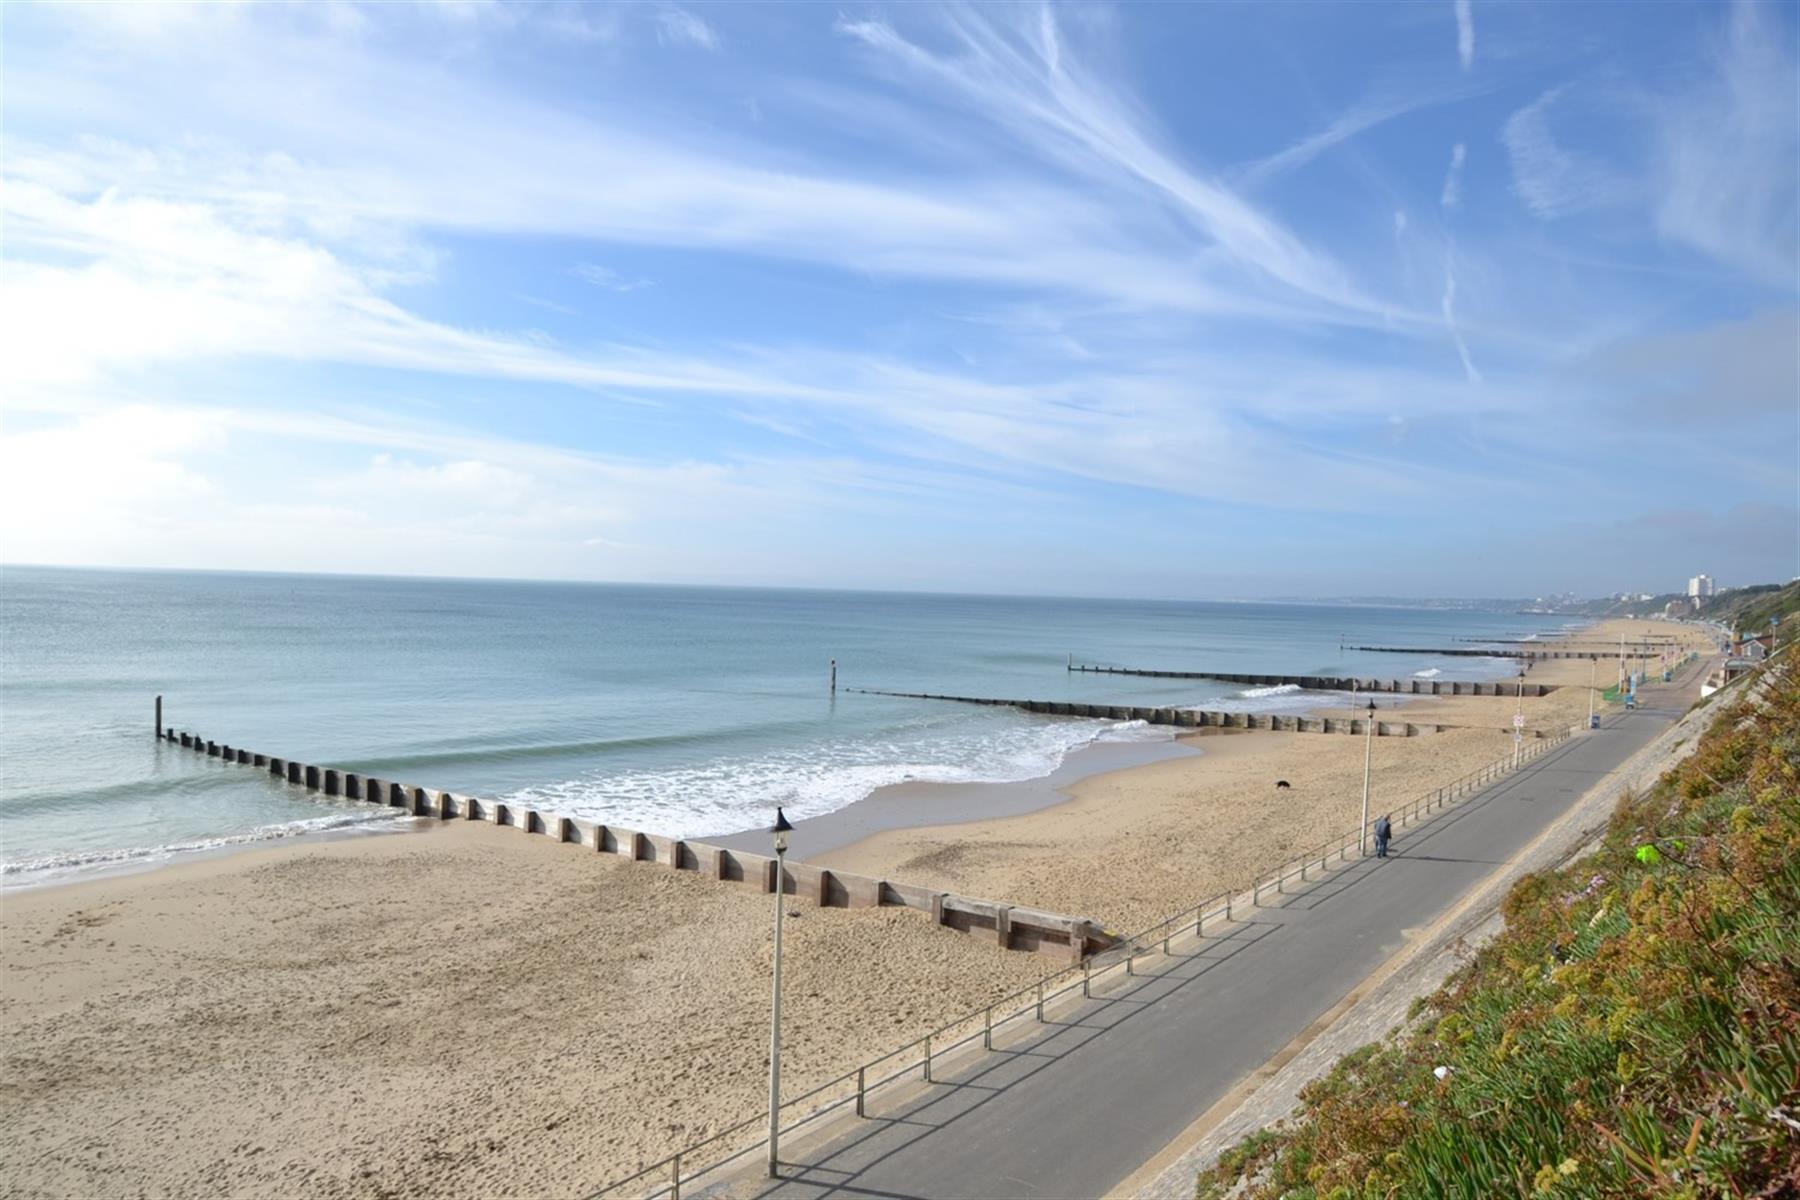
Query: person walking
[[1384, 830]]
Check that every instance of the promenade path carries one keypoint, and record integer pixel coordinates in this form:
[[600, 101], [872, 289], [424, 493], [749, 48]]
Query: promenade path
[[1071, 1107]]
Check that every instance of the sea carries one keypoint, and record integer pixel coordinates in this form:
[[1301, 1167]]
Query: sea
[[686, 711]]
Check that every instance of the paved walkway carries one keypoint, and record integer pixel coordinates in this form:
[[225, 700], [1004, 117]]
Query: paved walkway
[[1071, 1107]]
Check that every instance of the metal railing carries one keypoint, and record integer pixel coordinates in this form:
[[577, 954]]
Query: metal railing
[[666, 1176], [1438, 798]]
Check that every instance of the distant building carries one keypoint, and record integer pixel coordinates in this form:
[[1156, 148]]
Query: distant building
[[1701, 587], [1754, 647]]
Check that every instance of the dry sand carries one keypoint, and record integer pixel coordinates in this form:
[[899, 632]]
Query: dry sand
[[465, 1012], [474, 1012]]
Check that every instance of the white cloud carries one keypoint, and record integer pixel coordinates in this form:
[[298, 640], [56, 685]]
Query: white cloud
[[1447, 303], [678, 26], [1451, 196], [1552, 180], [1724, 162], [606, 277], [1022, 77], [1362, 117], [1465, 34]]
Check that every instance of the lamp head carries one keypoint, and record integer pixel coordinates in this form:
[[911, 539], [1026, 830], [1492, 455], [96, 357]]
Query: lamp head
[[781, 829], [1371, 708]]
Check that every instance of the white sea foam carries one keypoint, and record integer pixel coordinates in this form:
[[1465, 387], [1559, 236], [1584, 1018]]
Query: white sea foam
[[729, 794], [1428, 673], [75, 862], [1280, 689]]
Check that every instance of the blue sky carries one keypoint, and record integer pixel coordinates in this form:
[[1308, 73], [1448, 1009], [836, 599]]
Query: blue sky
[[1211, 300]]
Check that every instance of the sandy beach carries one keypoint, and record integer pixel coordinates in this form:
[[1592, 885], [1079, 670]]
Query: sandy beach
[[466, 1012], [474, 1012], [1153, 839]]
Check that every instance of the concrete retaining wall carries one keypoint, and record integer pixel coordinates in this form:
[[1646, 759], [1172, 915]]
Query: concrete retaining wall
[[1065, 937], [1334, 683]]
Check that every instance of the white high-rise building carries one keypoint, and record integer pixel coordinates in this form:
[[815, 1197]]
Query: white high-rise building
[[1700, 587]]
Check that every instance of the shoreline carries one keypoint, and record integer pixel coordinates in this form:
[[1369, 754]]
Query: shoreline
[[912, 804], [928, 803]]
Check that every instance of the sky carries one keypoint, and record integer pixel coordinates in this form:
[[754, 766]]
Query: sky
[[1206, 301]]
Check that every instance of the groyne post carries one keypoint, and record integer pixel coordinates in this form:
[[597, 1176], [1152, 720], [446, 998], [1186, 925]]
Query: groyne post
[[834, 676], [159, 716]]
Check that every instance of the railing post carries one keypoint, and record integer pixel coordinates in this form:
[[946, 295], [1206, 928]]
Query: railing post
[[1087, 977], [675, 1178], [861, 1090], [928, 1058], [987, 1030], [1040, 1003], [1129, 955], [1228, 906]]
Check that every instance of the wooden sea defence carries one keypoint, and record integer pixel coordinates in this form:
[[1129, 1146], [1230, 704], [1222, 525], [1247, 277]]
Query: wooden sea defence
[[1012, 927], [1333, 683], [1185, 718], [1471, 652]]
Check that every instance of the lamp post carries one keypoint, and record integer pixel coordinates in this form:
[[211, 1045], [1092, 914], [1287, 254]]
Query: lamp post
[[1519, 722], [780, 830], [1362, 836]]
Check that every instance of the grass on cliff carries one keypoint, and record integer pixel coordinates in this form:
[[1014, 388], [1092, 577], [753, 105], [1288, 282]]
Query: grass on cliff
[[1634, 1032]]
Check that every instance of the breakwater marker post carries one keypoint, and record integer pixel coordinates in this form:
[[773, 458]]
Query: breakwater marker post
[[159, 728], [834, 676], [780, 829]]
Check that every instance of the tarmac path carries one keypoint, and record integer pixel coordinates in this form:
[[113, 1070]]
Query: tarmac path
[[1073, 1106]]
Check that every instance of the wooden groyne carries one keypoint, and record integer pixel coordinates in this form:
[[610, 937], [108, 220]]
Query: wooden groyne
[[1470, 652], [1012, 927], [1186, 718], [1333, 683], [1571, 641]]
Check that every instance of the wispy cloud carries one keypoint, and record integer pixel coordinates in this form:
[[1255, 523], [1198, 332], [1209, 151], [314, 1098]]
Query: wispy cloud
[[1447, 304], [606, 277], [1552, 180], [680, 27], [1465, 34], [1725, 164], [1359, 118], [1451, 195], [1021, 75]]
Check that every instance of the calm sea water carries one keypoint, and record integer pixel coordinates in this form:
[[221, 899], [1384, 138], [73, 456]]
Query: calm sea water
[[686, 711]]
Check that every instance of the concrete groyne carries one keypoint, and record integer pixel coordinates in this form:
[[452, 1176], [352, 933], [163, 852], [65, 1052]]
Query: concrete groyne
[[1333, 683], [1188, 718], [1012, 927]]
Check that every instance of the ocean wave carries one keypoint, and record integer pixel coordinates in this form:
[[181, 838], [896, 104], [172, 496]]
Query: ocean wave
[[730, 794], [86, 860], [1428, 673], [1279, 689]]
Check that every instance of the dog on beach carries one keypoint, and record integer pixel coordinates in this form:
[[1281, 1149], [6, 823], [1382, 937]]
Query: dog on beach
[[1281, 783]]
